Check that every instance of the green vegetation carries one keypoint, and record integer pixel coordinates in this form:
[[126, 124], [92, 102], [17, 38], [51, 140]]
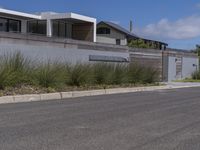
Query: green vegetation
[[188, 80], [196, 75], [18, 72], [197, 50], [141, 44], [195, 78]]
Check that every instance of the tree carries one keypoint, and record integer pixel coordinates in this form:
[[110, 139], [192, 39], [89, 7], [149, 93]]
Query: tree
[[139, 43], [197, 50]]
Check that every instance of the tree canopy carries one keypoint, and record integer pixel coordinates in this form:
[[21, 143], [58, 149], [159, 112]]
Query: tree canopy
[[139, 43]]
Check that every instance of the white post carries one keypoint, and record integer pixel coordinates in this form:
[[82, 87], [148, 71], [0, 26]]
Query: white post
[[49, 28], [95, 30]]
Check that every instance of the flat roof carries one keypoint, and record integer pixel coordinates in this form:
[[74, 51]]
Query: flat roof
[[48, 15], [17, 13]]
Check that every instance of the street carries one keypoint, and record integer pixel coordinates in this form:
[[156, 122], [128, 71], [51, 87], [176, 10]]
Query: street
[[158, 120]]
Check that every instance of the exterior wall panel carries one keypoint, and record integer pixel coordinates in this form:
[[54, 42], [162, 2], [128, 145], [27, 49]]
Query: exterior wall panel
[[172, 69], [108, 40], [190, 65]]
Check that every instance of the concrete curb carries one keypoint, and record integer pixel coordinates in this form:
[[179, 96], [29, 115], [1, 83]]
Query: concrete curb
[[74, 94]]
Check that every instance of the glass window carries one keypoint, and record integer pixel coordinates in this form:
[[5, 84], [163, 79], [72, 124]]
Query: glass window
[[103, 30], [3, 24], [62, 29], [69, 30], [10, 25], [55, 28], [42, 27], [32, 26], [118, 42], [14, 26], [37, 27]]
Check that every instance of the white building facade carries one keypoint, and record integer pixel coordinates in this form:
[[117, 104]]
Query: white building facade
[[50, 24]]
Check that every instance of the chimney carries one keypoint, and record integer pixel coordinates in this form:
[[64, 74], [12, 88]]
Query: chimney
[[131, 26]]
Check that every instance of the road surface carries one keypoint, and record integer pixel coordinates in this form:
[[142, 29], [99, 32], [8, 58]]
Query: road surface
[[159, 120]]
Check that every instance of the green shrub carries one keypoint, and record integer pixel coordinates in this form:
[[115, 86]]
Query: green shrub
[[78, 74], [50, 74], [117, 74], [134, 73], [14, 70], [149, 75], [100, 73], [140, 74], [196, 75]]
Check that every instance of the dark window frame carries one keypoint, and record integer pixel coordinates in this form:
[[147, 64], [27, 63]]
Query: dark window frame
[[37, 29], [103, 30], [118, 41], [58, 28], [8, 23]]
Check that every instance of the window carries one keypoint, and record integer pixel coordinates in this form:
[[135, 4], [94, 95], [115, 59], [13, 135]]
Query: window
[[118, 42], [37, 27], [14, 26], [55, 28], [61, 29], [103, 30], [10, 25], [42, 27], [3, 24]]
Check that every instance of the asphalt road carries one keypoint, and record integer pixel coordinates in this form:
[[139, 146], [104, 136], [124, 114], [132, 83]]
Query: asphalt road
[[160, 120]]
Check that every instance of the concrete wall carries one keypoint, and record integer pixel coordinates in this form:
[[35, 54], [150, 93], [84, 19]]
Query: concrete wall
[[188, 66], [175, 69], [43, 48], [72, 55]]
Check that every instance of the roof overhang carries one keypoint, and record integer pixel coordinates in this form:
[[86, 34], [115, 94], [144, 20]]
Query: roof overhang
[[45, 15], [18, 14], [67, 16]]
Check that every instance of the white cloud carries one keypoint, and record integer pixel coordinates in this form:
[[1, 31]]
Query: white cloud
[[186, 28]]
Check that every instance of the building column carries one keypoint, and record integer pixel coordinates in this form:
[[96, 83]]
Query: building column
[[95, 32], [49, 28], [23, 26]]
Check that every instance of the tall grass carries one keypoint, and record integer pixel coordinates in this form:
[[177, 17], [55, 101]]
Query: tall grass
[[49, 74], [196, 75], [78, 74], [16, 70]]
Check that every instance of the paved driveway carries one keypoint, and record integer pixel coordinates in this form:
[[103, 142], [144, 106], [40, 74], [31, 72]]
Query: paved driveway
[[159, 120]]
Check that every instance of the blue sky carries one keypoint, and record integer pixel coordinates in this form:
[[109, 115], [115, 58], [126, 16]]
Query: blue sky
[[174, 21]]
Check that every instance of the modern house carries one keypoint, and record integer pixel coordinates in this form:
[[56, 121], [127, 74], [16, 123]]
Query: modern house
[[50, 24], [111, 33]]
